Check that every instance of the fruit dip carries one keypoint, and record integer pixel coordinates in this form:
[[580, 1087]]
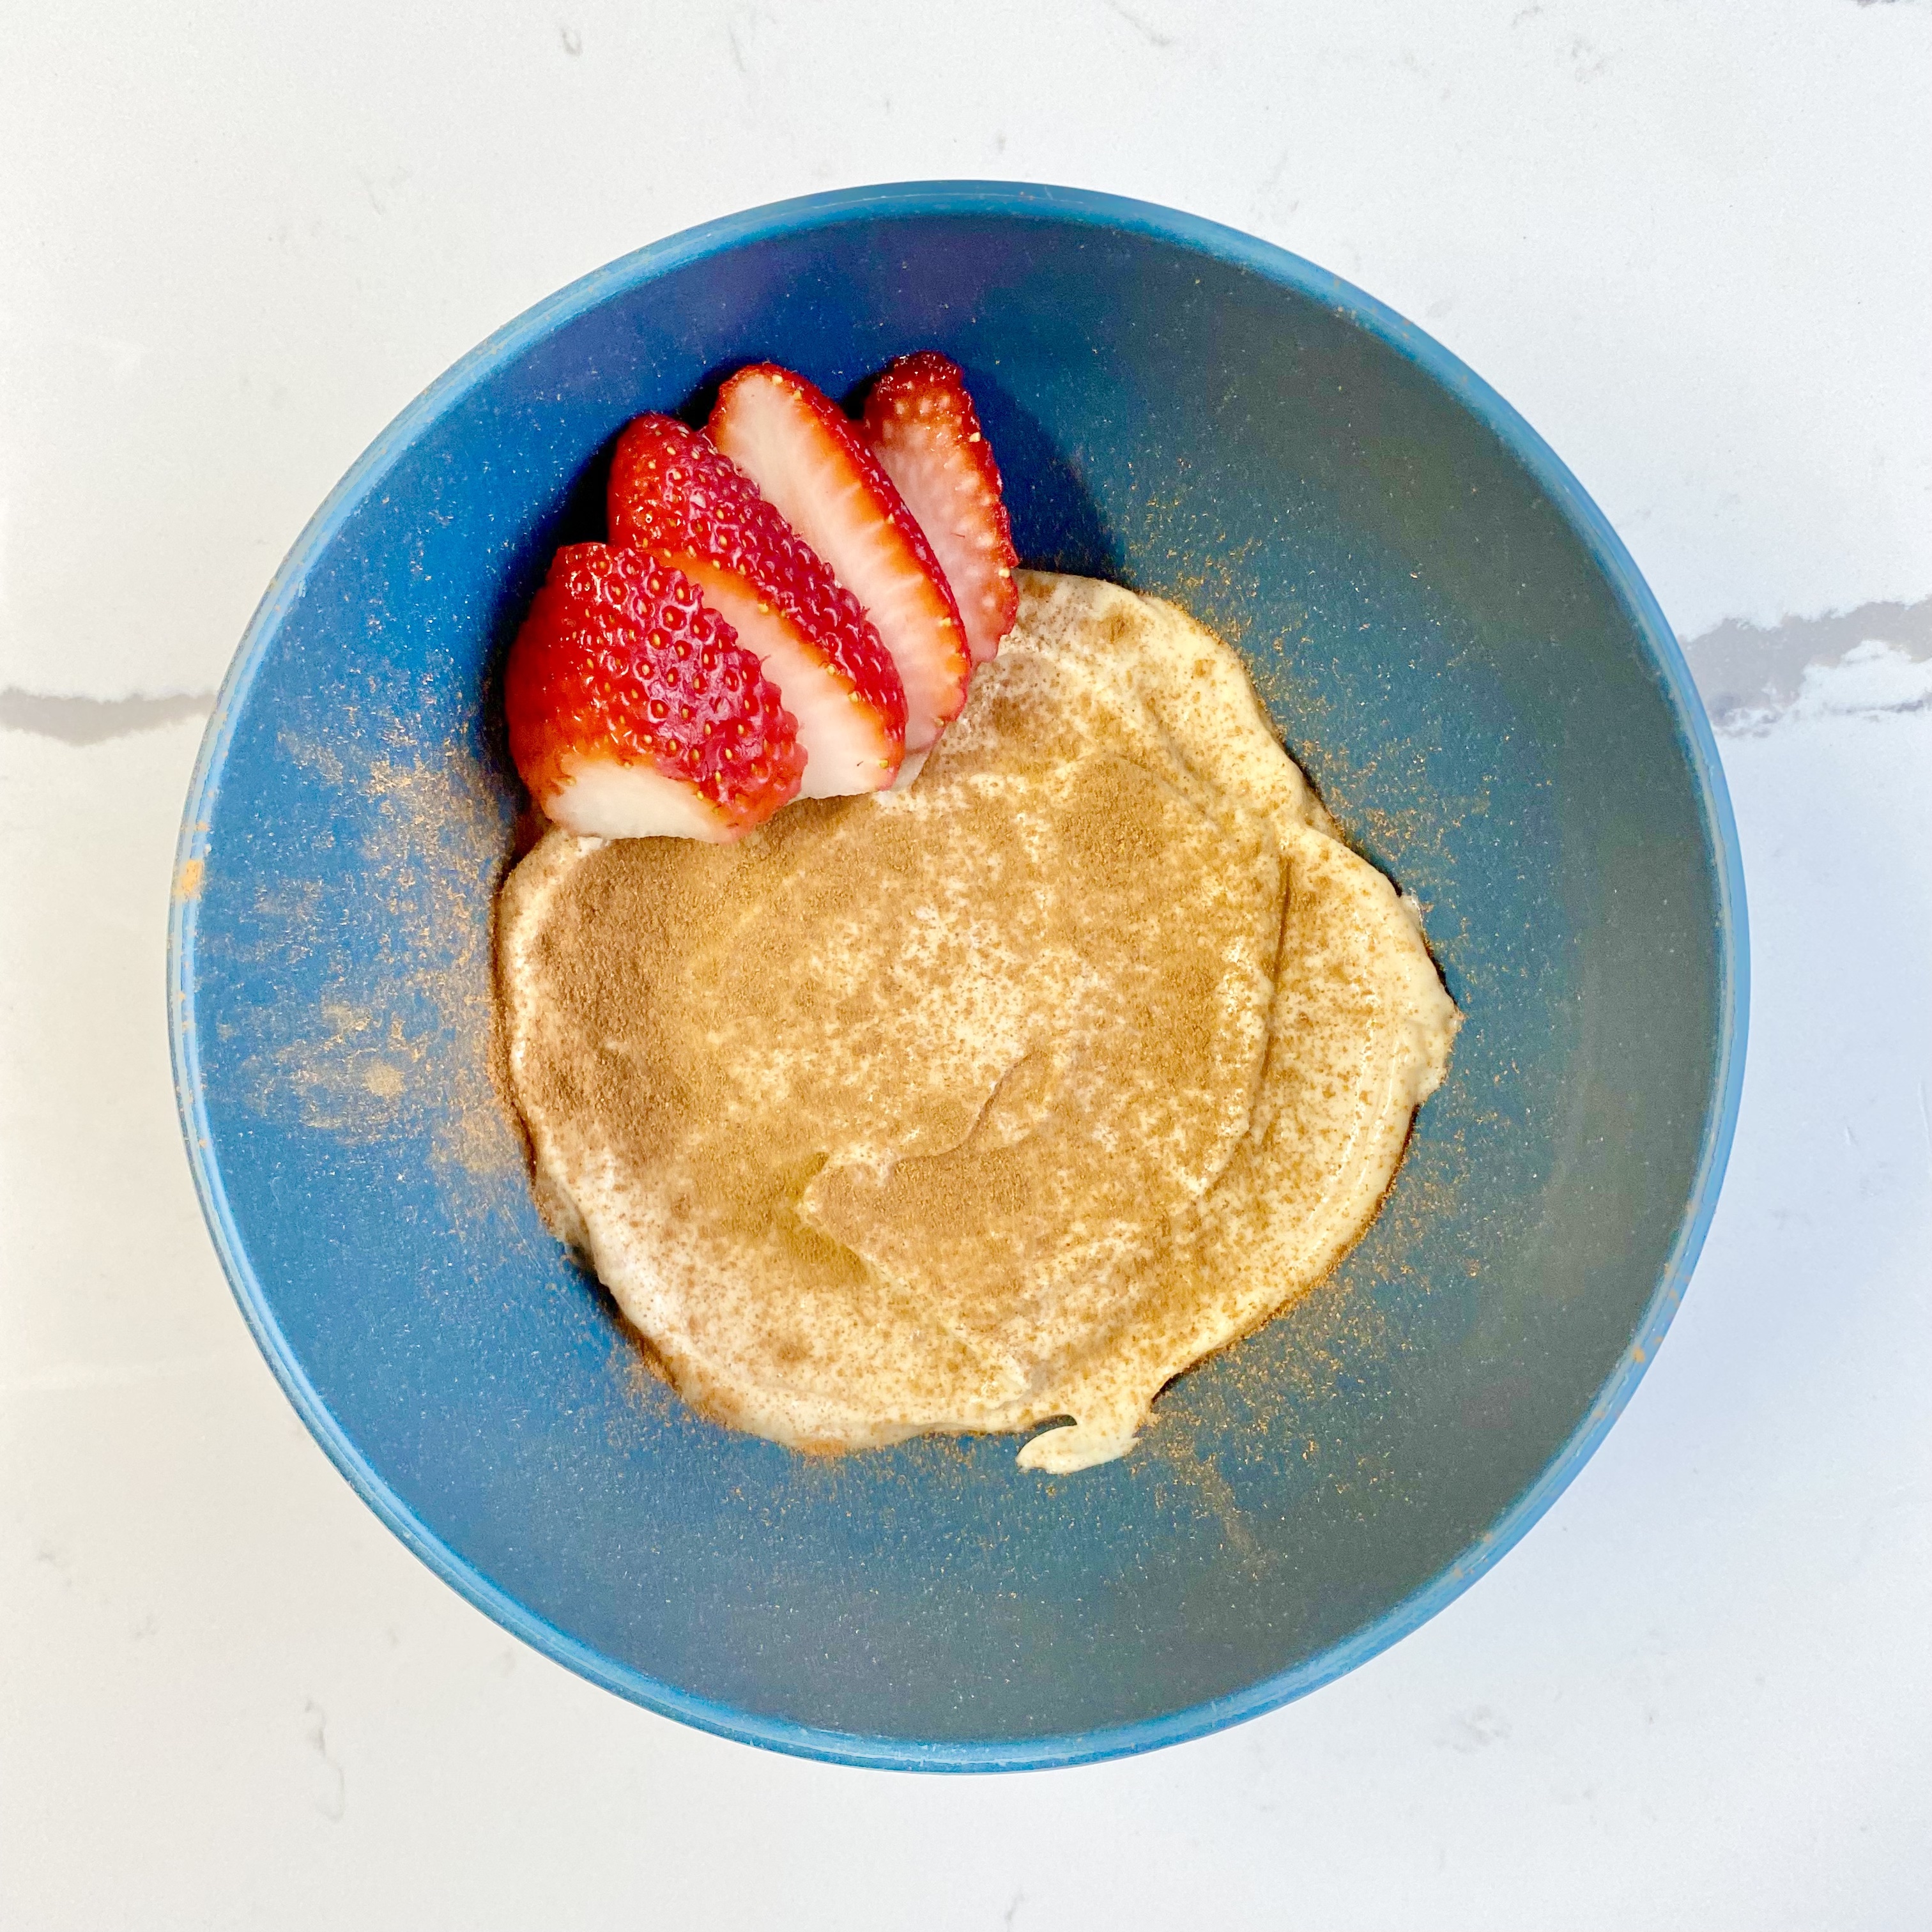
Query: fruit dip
[[993, 1099]]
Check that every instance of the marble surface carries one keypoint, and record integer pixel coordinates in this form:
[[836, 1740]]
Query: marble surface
[[1693, 246]]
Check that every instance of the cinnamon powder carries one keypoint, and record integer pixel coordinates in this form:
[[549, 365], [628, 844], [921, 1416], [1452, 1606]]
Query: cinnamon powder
[[920, 1110]]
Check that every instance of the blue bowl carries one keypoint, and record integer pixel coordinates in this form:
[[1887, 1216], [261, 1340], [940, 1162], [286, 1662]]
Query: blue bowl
[[1454, 644]]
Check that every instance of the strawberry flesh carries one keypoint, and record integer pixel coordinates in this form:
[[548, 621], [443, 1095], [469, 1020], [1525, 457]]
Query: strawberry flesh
[[808, 458], [921, 424], [677, 498], [634, 712]]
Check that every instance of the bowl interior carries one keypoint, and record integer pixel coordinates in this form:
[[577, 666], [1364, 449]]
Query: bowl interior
[[1452, 645]]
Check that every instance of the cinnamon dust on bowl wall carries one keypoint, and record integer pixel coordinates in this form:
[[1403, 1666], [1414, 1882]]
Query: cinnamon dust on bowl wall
[[402, 1039]]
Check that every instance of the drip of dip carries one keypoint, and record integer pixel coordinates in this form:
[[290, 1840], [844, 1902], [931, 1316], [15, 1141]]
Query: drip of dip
[[999, 1099]]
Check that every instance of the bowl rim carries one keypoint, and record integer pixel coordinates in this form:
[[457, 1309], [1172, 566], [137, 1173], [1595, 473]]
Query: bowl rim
[[1106, 212]]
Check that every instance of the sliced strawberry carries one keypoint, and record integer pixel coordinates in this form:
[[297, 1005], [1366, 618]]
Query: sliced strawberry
[[634, 711], [807, 457], [921, 424], [674, 495]]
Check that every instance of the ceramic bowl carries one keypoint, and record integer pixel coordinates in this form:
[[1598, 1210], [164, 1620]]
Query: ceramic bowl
[[1459, 651]]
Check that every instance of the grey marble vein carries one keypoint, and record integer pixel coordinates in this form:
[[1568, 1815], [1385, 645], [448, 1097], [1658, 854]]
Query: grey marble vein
[[1747, 670], [91, 720]]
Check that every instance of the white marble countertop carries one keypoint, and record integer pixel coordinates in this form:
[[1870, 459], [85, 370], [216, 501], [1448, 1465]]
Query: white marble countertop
[[1694, 246]]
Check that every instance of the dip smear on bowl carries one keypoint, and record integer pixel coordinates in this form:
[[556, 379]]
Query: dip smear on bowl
[[998, 1098]]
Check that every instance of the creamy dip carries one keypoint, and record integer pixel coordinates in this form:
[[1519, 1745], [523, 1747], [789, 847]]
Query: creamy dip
[[1000, 1098]]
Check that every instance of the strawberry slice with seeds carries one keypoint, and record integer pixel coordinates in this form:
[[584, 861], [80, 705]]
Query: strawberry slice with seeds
[[921, 424], [807, 456], [675, 497], [634, 711]]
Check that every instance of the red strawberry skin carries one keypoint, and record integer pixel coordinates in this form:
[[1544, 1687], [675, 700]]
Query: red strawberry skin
[[808, 458], [674, 495], [920, 423], [620, 661]]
